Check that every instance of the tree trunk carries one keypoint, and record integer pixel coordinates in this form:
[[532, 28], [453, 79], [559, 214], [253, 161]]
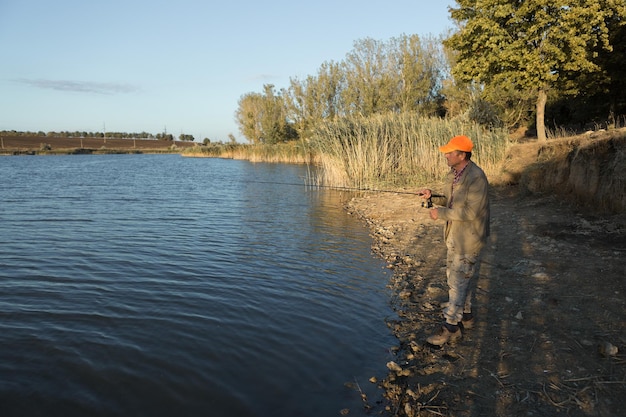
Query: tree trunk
[[542, 98]]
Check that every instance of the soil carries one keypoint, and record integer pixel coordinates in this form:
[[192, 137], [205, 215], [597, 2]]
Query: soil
[[550, 331]]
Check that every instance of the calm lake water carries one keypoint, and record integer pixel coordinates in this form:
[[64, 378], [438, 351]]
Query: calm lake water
[[157, 285]]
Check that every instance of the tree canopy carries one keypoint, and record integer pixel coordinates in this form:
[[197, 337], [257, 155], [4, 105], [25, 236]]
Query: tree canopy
[[262, 118], [506, 61], [536, 46], [400, 75]]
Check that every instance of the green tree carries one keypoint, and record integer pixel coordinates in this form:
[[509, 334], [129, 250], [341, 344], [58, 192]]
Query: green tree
[[274, 123], [403, 74], [165, 136], [369, 86], [534, 45], [602, 96], [248, 116], [314, 99], [416, 68], [263, 117]]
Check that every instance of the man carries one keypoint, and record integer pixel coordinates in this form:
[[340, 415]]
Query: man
[[465, 209]]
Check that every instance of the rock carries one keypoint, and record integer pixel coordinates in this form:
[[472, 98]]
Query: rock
[[392, 366], [428, 306], [412, 394], [607, 349], [404, 294], [415, 347]]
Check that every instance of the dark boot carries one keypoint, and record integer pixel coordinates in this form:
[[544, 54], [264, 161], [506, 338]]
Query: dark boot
[[447, 333]]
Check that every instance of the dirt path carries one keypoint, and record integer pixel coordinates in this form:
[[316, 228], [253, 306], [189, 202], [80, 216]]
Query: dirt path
[[551, 310]]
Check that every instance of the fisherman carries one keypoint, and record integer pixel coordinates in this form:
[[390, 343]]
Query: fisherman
[[464, 207]]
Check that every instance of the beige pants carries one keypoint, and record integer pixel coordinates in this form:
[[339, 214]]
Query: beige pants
[[462, 271]]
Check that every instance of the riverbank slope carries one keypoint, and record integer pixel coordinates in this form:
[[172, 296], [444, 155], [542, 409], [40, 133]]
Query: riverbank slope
[[550, 337]]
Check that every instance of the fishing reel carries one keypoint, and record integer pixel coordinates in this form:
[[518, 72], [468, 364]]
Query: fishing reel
[[428, 203]]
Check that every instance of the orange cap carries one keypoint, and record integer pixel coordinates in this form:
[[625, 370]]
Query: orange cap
[[458, 143]]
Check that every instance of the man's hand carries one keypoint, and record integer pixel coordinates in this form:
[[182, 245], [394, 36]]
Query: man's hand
[[434, 214], [425, 193]]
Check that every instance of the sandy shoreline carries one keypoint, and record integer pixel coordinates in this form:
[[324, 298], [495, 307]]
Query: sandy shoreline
[[550, 297]]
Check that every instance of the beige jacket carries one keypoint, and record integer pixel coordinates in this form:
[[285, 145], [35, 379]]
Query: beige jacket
[[467, 222]]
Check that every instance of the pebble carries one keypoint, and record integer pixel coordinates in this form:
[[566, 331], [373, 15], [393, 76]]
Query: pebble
[[541, 276], [392, 366], [607, 349]]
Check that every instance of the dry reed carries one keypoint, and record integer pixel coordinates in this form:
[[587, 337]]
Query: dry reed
[[291, 153], [397, 150]]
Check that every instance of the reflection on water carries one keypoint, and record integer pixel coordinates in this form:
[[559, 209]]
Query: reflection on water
[[160, 285]]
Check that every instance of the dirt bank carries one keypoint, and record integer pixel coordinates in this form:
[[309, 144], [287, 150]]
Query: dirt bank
[[550, 338]]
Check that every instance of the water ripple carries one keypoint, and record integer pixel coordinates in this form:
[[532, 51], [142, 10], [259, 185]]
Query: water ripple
[[157, 285]]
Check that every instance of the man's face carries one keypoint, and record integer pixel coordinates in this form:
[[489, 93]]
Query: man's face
[[454, 158]]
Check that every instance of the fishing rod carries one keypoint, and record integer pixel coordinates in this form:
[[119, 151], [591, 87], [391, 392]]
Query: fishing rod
[[428, 203], [425, 204]]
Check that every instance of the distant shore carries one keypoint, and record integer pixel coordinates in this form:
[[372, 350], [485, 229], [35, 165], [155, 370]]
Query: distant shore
[[44, 145]]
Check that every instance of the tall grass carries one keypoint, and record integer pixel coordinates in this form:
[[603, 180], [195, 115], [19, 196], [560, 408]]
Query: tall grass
[[397, 150], [292, 152], [390, 151]]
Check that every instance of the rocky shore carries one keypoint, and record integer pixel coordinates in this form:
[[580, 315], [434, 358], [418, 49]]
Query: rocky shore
[[550, 337]]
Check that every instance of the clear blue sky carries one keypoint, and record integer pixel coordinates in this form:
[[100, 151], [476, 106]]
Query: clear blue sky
[[150, 65]]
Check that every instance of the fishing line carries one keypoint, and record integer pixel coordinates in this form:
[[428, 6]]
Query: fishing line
[[333, 187]]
